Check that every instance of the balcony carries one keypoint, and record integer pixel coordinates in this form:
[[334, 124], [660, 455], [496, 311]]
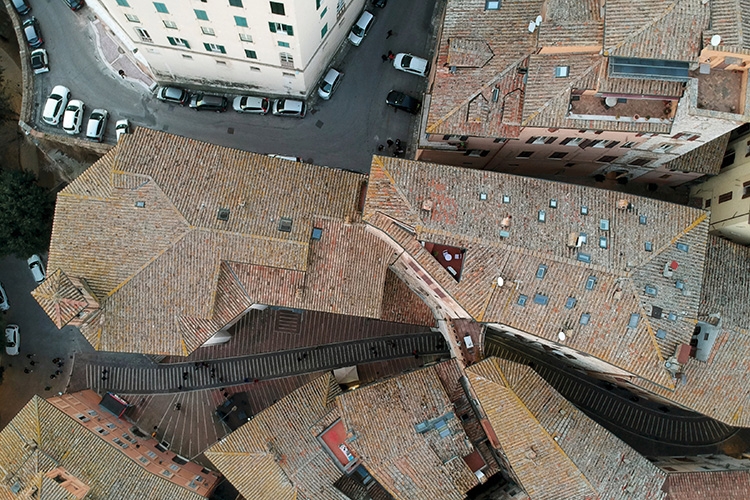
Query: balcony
[[591, 106], [721, 90]]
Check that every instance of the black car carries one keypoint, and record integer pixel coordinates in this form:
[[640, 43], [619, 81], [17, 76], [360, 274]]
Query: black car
[[32, 33], [399, 100], [209, 102], [174, 95], [74, 4]]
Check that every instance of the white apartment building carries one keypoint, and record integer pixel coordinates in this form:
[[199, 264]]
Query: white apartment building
[[727, 195], [267, 47]]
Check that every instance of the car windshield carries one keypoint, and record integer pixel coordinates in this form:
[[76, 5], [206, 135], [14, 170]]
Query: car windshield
[[406, 61], [357, 30], [325, 87]]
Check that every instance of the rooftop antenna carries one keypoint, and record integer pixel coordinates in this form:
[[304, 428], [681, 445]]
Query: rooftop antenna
[[538, 20], [715, 40], [532, 27]]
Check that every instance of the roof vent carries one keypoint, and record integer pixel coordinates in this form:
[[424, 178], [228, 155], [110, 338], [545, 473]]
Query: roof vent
[[427, 205], [561, 336], [223, 214], [285, 225]]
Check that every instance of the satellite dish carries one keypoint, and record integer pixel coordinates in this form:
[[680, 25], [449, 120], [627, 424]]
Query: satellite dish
[[500, 281], [538, 20], [561, 336], [532, 27], [715, 40]]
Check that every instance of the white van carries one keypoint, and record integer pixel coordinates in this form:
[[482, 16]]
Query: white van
[[361, 27]]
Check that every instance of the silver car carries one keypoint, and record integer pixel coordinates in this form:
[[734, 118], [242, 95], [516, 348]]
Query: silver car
[[251, 104], [329, 83]]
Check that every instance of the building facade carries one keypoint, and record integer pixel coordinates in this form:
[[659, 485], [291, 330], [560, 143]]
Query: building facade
[[727, 195], [278, 48]]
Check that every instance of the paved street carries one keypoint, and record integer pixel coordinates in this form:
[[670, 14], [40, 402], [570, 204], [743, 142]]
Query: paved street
[[343, 132]]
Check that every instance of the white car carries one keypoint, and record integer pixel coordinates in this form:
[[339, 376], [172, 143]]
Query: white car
[[55, 105], [97, 125], [39, 61], [73, 117], [122, 127], [411, 64], [361, 28], [4, 304], [329, 83], [12, 340], [36, 266]]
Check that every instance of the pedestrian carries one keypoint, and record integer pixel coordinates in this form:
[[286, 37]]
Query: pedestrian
[[389, 142], [177, 406], [153, 434], [26, 370], [47, 388], [52, 376], [32, 362], [246, 380], [56, 360], [58, 372], [60, 364], [104, 371], [391, 55], [389, 34], [415, 353], [381, 147], [104, 378], [29, 356], [184, 375], [221, 380], [121, 73], [384, 57], [179, 387], [398, 143]]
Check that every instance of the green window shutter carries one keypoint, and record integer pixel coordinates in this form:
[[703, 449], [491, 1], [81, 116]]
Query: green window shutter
[[324, 31], [186, 44], [221, 48], [317, 4], [289, 31], [207, 46], [272, 27], [250, 54]]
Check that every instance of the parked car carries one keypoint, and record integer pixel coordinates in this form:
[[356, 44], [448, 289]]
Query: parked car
[[97, 125], [4, 304], [361, 27], [399, 100], [174, 95], [36, 266], [32, 33], [22, 7], [289, 107], [74, 4], [329, 83], [251, 104], [122, 127], [379, 3], [209, 102], [411, 64], [55, 105], [73, 117], [12, 340], [39, 61]]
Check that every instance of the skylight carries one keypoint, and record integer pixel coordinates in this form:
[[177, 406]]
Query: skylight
[[541, 271], [540, 299], [590, 282], [570, 303], [522, 300]]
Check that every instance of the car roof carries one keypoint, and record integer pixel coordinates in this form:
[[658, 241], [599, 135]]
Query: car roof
[[331, 75], [60, 90], [292, 104]]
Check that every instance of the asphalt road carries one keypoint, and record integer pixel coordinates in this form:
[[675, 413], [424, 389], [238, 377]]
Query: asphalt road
[[342, 133], [39, 338]]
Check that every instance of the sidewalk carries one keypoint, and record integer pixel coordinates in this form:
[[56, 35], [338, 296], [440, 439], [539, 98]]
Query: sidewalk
[[119, 59]]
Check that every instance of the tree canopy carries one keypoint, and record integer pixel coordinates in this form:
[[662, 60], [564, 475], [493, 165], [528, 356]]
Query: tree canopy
[[26, 211]]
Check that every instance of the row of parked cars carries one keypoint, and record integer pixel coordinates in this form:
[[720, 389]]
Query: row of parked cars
[[12, 333], [201, 101], [61, 108]]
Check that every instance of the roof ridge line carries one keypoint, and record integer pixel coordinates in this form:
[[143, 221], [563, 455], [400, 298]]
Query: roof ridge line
[[645, 27]]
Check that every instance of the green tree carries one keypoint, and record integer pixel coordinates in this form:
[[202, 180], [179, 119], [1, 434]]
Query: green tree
[[26, 211]]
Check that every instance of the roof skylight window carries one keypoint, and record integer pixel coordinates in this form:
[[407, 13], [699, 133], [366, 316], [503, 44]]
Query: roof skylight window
[[541, 271], [682, 247], [540, 299], [522, 300], [642, 219], [634, 319], [604, 224], [570, 303], [590, 282], [651, 291], [648, 246], [542, 216], [585, 317], [583, 257], [285, 225], [603, 242], [553, 203], [584, 210], [506, 198]]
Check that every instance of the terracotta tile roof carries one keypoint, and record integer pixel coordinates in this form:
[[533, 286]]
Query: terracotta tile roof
[[141, 227], [278, 454], [620, 272], [41, 438], [718, 387], [702, 485], [662, 29], [705, 159], [554, 449]]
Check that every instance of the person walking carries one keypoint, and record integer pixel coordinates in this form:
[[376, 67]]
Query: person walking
[[389, 34], [384, 57]]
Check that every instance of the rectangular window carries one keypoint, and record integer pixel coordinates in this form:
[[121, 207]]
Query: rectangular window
[[250, 54], [541, 140], [208, 31], [212, 47], [707, 203], [277, 8], [255, 68], [246, 38], [562, 71], [283, 44], [235, 3], [143, 35], [160, 7], [169, 24], [178, 41], [628, 145], [728, 158], [324, 30], [132, 18], [571, 141], [746, 190], [725, 197], [607, 159], [663, 148], [639, 162], [123, 3], [201, 14], [525, 154], [558, 155], [323, 12], [240, 21], [276, 27], [286, 59]]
